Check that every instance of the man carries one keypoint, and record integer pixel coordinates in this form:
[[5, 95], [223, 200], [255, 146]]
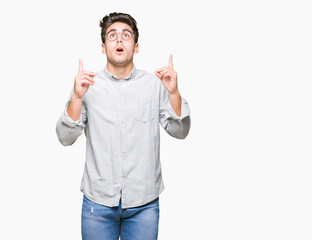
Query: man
[[119, 109]]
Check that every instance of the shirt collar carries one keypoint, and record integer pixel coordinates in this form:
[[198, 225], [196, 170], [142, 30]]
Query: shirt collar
[[114, 78]]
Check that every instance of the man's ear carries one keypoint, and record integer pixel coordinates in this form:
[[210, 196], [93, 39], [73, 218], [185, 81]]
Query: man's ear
[[103, 48], [136, 48]]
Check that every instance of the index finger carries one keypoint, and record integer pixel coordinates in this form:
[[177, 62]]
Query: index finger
[[170, 61], [80, 66]]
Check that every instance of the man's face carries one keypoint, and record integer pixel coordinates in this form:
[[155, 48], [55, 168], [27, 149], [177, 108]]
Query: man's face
[[119, 51]]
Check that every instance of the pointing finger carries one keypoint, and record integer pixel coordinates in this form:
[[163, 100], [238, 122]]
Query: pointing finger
[[80, 66], [170, 61]]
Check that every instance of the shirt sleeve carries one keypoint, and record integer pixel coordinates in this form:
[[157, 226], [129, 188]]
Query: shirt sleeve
[[176, 126], [68, 130]]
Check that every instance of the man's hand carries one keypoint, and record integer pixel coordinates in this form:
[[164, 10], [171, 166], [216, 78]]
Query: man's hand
[[168, 76], [82, 81]]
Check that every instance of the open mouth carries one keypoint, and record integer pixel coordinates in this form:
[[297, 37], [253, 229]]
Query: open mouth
[[119, 49]]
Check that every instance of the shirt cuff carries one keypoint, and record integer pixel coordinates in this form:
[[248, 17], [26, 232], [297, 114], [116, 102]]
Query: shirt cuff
[[68, 121], [185, 110]]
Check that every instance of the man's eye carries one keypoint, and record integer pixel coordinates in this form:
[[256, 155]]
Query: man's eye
[[112, 35]]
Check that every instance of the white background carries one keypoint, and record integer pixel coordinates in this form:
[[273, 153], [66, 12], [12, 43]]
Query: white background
[[244, 170]]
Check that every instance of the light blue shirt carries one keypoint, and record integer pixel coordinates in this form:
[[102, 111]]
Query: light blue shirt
[[120, 119]]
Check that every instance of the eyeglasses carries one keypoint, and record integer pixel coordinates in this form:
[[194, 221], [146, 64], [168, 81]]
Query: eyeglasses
[[125, 34]]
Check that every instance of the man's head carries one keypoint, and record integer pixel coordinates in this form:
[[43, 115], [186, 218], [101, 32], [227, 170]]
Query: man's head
[[118, 17], [119, 35]]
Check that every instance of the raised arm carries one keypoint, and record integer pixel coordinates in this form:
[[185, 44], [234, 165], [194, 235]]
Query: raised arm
[[74, 117], [174, 112]]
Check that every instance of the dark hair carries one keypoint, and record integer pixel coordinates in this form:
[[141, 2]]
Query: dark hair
[[118, 17]]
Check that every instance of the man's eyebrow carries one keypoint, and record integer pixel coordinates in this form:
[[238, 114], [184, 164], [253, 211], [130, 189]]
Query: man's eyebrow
[[125, 29], [111, 30]]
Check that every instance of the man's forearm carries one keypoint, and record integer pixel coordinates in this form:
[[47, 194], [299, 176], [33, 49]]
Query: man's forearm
[[74, 108], [175, 101]]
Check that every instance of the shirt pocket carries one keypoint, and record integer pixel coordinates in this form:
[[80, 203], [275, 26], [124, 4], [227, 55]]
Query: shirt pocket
[[145, 109]]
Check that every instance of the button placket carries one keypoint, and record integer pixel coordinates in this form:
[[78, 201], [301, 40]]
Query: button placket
[[123, 104]]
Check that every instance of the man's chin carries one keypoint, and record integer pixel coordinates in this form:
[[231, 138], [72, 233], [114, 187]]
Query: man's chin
[[120, 62]]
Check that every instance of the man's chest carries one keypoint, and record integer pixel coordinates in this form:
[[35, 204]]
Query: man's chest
[[136, 101]]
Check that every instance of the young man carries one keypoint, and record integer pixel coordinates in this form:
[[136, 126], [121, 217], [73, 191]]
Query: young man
[[119, 109]]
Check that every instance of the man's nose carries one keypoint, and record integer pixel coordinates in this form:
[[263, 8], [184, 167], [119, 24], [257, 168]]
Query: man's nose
[[119, 38]]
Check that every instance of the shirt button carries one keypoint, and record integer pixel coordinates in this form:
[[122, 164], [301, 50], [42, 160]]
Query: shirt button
[[123, 121], [124, 178], [123, 139]]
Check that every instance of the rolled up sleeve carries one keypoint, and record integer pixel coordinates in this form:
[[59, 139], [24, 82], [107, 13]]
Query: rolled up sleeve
[[176, 126], [68, 130]]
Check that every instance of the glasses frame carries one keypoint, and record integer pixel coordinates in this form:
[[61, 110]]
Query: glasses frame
[[124, 30]]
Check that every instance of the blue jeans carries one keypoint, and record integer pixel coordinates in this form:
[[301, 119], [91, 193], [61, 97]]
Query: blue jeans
[[99, 222]]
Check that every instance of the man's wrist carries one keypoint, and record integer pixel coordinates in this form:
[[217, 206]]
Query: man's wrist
[[175, 93], [76, 98]]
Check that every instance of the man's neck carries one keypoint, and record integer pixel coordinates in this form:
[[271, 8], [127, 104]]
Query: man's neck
[[120, 71]]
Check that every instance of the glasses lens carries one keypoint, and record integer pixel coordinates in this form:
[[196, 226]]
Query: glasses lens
[[126, 35], [112, 35]]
